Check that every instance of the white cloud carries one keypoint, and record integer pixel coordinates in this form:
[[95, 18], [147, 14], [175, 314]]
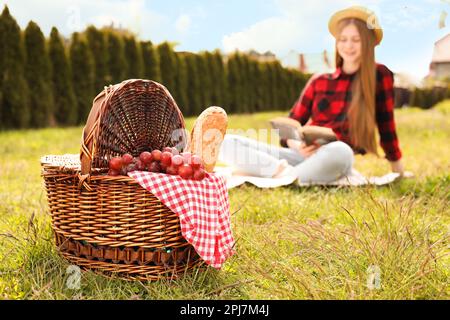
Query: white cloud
[[183, 23], [271, 34], [300, 26], [74, 15]]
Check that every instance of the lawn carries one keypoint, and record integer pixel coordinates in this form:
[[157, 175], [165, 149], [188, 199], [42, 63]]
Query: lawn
[[292, 243]]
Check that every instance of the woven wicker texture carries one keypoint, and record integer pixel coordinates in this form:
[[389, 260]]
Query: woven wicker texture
[[131, 117], [129, 263], [110, 223]]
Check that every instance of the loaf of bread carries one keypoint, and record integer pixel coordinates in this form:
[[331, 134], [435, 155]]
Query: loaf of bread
[[207, 135]]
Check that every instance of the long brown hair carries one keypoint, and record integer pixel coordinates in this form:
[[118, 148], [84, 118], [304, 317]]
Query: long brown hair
[[361, 113]]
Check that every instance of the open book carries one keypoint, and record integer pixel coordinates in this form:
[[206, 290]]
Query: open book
[[292, 129]]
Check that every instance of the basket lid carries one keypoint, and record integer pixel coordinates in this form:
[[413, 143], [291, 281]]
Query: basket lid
[[131, 117]]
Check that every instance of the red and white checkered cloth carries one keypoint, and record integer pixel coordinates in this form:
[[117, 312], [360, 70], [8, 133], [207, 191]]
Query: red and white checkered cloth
[[203, 208]]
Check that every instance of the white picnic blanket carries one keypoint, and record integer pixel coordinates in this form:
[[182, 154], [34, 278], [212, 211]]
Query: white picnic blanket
[[234, 179]]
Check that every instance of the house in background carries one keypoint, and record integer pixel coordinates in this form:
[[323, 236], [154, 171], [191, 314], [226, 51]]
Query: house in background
[[315, 63], [264, 57], [310, 63], [440, 62]]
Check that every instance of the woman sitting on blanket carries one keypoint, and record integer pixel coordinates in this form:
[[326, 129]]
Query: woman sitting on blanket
[[349, 103]]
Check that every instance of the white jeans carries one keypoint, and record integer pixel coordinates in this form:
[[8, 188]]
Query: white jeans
[[329, 163]]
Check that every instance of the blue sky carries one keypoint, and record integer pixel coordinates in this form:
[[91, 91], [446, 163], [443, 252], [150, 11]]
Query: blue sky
[[281, 26]]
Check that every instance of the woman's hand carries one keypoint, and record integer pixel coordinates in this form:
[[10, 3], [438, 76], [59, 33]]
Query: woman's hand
[[397, 166], [307, 151], [304, 150]]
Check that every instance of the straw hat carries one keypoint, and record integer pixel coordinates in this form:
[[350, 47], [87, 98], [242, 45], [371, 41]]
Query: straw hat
[[360, 13]]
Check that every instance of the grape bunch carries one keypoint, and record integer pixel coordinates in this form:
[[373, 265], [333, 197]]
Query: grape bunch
[[169, 161]]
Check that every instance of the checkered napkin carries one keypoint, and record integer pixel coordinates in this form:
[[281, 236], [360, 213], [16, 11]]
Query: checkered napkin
[[203, 208]]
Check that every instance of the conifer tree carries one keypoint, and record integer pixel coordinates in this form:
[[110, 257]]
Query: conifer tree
[[233, 84], [83, 75], [255, 81], [133, 56], [65, 110], [117, 63], [263, 91], [2, 68], [273, 85], [167, 63], [252, 83], [292, 78], [220, 80], [181, 87], [242, 95], [193, 85], [14, 104], [214, 92], [297, 84], [288, 80], [247, 83], [38, 75], [150, 62], [205, 80], [99, 47]]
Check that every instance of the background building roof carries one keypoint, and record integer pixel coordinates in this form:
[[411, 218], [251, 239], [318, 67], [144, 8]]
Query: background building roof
[[441, 52]]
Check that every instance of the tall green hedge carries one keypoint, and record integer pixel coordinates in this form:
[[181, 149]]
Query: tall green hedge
[[205, 81], [133, 55], [426, 98], [38, 75], [181, 84], [14, 104], [83, 75], [150, 60], [220, 79], [54, 81], [98, 45], [65, 103], [193, 85], [117, 62], [167, 65]]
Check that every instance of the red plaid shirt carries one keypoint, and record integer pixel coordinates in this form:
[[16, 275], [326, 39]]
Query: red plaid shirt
[[326, 98]]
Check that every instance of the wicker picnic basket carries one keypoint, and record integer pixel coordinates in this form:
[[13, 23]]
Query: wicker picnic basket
[[110, 223]]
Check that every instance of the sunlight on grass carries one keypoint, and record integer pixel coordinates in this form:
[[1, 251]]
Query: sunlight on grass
[[292, 243]]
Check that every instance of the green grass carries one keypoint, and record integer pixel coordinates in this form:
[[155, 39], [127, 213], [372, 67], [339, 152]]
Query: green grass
[[292, 243]]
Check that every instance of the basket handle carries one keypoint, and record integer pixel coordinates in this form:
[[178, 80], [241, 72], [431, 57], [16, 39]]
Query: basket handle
[[90, 130]]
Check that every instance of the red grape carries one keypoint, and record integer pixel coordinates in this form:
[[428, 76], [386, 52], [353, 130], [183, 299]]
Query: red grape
[[167, 149], [156, 154], [186, 157], [127, 159], [113, 172], [172, 170], [199, 174], [196, 161], [177, 160], [175, 151], [154, 167], [116, 163], [140, 165], [163, 167], [185, 171], [146, 157], [166, 158], [131, 167]]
